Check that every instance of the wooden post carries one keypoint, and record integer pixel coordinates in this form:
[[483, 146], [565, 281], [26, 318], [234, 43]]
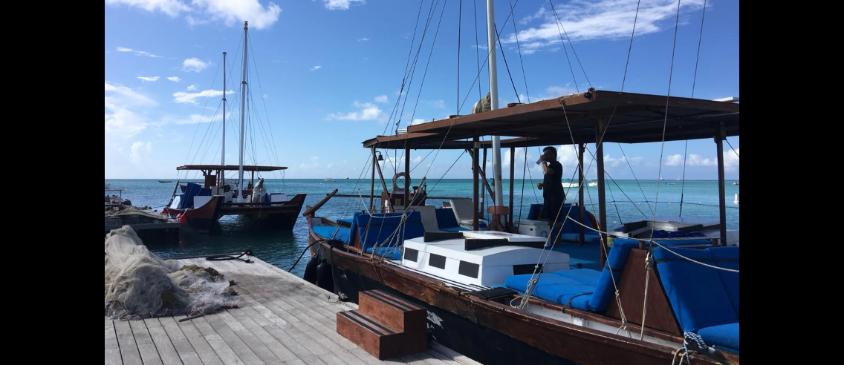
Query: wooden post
[[581, 147], [722, 204], [406, 177], [602, 198], [372, 183], [384, 192], [510, 224], [486, 182], [475, 184]]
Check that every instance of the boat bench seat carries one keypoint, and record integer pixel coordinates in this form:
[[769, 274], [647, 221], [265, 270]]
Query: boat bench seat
[[584, 289], [389, 252], [704, 300], [333, 232]]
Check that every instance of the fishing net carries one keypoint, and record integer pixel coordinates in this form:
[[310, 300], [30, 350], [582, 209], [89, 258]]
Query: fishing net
[[139, 284]]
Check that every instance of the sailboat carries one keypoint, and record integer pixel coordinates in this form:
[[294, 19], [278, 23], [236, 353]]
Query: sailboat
[[504, 297], [201, 205]]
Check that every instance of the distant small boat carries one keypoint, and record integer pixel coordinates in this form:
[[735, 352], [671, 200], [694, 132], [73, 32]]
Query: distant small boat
[[165, 181], [735, 182]]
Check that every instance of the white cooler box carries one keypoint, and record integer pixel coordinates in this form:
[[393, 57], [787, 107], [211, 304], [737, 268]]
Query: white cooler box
[[533, 227]]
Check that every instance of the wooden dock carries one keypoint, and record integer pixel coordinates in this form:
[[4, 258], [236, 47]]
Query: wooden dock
[[281, 319]]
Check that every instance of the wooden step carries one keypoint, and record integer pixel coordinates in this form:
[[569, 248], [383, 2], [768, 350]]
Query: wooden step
[[380, 341], [394, 313]]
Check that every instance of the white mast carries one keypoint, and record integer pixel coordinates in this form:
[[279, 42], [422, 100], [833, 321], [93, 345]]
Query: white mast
[[493, 102], [223, 153], [242, 109]]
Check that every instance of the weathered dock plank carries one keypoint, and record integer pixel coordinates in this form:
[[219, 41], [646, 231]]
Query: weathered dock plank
[[280, 319]]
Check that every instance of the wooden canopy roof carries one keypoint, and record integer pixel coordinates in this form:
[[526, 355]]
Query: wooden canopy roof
[[626, 117], [231, 167]]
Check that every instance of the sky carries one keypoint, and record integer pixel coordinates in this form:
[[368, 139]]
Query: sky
[[324, 75]]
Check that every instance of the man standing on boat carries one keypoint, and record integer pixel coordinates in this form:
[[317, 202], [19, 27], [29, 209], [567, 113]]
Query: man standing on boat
[[551, 185]]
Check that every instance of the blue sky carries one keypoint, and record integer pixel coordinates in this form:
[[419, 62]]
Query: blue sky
[[325, 75]]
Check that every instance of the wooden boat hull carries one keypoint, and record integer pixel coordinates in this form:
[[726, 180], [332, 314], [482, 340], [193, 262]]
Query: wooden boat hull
[[203, 217], [281, 215], [563, 342]]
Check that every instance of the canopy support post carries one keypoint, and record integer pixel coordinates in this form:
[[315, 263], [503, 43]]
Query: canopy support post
[[602, 198], [580, 149], [510, 223], [475, 184], [372, 182], [722, 204], [406, 178]]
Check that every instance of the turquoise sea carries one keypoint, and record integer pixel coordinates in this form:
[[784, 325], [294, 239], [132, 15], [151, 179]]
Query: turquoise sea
[[629, 200]]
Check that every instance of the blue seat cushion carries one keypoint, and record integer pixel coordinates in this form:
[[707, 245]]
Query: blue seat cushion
[[568, 287], [728, 257], [453, 229], [696, 292], [391, 252], [333, 232], [380, 228], [616, 258], [724, 336]]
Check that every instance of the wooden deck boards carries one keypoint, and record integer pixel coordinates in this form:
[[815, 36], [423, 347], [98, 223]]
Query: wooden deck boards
[[281, 319]]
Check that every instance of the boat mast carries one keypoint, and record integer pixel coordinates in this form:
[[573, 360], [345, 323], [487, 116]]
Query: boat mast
[[242, 109], [493, 102], [223, 153]]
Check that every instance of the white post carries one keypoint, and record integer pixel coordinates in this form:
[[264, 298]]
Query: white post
[[222, 181], [493, 102], [242, 111]]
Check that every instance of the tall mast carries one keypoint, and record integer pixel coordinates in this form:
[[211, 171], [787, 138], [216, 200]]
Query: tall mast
[[242, 107], [493, 102], [223, 153]]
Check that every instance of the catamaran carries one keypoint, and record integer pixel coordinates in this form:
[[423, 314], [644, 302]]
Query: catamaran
[[502, 290], [202, 205]]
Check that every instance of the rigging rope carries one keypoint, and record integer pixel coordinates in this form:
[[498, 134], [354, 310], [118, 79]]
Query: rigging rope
[[519, 49], [573, 51], [694, 83]]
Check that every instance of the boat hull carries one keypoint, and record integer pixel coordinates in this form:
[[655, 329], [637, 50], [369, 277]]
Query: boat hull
[[280, 215], [470, 318]]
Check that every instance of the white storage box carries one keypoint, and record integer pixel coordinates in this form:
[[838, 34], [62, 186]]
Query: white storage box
[[533, 227]]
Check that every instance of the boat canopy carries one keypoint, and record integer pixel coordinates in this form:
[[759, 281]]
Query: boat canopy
[[626, 118], [230, 167]]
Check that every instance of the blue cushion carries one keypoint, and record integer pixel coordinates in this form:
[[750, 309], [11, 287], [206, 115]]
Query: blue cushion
[[391, 252], [724, 336], [446, 219], [347, 221], [617, 257], [378, 227], [728, 257], [568, 287], [696, 292], [328, 232], [454, 229], [534, 211]]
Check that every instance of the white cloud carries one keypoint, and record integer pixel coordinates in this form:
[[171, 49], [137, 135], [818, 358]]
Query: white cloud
[[691, 160], [190, 98], [191, 87], [731, 159], [193, 64], [124, 111], [197, 119], [417, 121], [148, 78], [314, 68], [366, 111], [363, 39], [230, 12], [601, 19], [169, 7], [136, 52], [341, 4], [174, 78], [140, 151]]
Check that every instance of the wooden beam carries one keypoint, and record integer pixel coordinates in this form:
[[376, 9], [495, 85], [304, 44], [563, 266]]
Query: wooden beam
[[580, 149], [372, 183], [510, 224], [383, 184], [722, 204], [602, 198], [406, 177], [486, 184], [475, 184]]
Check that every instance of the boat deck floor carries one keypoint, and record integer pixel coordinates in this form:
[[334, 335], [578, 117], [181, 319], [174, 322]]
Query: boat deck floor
[[281, 319]]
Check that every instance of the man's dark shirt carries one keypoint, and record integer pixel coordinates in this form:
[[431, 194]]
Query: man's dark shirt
[[552, 185]]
